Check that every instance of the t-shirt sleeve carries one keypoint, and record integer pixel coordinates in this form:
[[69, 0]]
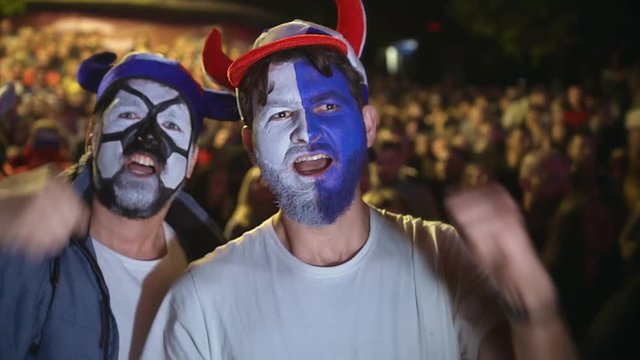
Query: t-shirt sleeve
[[473, 301], [179, 330], [475, 305]]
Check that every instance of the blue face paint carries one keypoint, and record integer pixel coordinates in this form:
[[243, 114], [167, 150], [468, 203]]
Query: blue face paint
[[309, 115], [334, 122]]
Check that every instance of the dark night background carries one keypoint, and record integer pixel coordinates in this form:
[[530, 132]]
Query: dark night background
[[494, 41], [439, 126], [553, 42]]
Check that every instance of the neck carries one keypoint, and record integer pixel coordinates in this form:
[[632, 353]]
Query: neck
[[134, 238], [326, 245]]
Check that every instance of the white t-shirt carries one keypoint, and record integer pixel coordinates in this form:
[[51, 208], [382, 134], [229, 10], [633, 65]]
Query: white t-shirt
[[411, 292], [136, 289]]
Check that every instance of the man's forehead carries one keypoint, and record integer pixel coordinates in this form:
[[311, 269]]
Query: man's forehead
[[298, 79], [282, 87], [155, 91], [280, 75]]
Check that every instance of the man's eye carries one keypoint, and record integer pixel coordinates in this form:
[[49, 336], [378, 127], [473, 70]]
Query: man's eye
[[327, 108], [128, 115], [282, 115], [170, 125]]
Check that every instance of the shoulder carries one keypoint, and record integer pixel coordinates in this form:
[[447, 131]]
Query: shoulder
[[234, 258], [417, 229], [18, 271], [433, 243]]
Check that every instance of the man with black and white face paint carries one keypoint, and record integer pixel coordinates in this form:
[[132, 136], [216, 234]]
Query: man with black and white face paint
[[148, 128], [135, 234]]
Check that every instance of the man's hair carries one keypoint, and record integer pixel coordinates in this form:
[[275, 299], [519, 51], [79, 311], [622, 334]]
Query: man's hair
[[255, 82]]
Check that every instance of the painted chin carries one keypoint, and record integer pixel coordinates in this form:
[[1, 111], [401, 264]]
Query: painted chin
[[312, 166], [142, 164]]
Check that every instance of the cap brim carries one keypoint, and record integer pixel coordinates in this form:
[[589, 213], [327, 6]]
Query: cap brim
[[239, 67]]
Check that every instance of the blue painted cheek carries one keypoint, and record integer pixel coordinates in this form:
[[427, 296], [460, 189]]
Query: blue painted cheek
[[343, 131]]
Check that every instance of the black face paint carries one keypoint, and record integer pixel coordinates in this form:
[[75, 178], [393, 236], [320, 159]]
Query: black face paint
[[148, 137]]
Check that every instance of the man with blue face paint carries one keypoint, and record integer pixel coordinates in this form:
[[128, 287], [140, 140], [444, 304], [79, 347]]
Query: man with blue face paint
[[84, 269], [329, 277]]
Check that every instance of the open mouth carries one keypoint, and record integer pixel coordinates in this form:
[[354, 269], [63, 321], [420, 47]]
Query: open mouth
[[312, 165], [142, 164]]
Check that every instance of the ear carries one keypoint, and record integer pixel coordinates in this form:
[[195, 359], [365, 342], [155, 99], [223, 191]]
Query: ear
[[370, 118], [247, 141], [193, 160]]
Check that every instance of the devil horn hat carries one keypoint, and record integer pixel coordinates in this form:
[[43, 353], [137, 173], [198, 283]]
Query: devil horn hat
[[348, 38]]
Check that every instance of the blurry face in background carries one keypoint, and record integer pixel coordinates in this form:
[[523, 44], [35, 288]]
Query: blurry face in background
[[421, 145], [633, 145], [546, 175], [390, 159], [143, 149], [518, 141], [574, 95], [580, 150], [309, 141]]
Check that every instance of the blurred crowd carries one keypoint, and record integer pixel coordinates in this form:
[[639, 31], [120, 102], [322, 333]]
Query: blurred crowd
[[570, 156]]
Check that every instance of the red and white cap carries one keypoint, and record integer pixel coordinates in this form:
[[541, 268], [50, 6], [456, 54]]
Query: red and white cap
[[348, 38]]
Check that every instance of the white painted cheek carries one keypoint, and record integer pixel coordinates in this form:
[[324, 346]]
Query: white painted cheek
[[122, 102], [174, 171], [272, 146], [275, 138], [109, 158], [114, 125], [178, 114]]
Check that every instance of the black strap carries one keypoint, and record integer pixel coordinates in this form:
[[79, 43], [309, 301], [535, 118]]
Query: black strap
[[197, 233], [54, 278]]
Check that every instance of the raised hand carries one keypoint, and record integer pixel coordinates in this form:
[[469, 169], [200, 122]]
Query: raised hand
[[38, 214], [493, 228]]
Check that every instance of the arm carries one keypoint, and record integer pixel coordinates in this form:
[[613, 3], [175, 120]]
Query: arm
[[38, 213], [494, 232], [25, 294]]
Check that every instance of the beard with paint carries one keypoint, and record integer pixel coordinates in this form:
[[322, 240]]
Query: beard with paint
[[310, 142], [317, 202]]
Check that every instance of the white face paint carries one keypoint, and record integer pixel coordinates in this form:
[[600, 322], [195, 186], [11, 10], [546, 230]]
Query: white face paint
[[123, 120], [281, 120], [172, 179], [107, 158], [127, 109], [309, 141]]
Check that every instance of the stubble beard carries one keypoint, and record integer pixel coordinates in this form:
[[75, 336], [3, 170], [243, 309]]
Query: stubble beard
[[129, 196], [302, 201]]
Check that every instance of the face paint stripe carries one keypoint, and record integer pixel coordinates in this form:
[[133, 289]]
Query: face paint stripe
[[119, 187], [304, 88]]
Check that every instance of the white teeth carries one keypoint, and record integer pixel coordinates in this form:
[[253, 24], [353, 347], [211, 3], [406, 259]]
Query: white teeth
[[142, 160], [311, 158]]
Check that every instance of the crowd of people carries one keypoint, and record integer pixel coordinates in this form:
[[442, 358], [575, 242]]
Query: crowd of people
[[570, 157]]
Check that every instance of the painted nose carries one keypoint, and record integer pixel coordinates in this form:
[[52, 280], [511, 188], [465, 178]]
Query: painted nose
[[147, 134], [299, 135], [314, 129], [147, 138]]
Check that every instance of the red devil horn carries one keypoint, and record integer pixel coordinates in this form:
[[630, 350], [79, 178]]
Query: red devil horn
[[352, 23], [215, 61]]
